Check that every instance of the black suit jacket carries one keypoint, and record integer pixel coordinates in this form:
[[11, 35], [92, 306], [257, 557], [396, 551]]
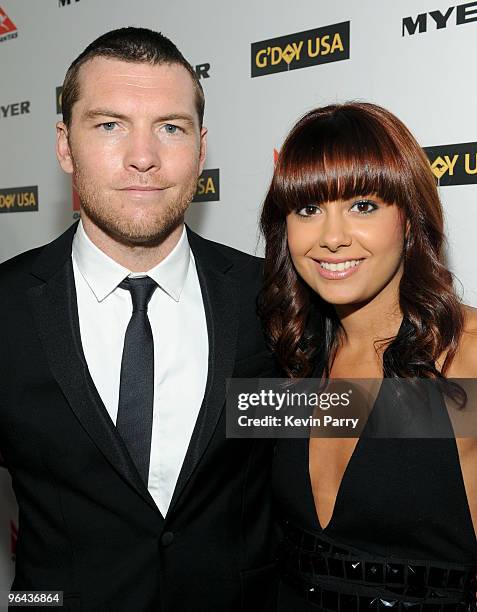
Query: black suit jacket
[[87, 524]]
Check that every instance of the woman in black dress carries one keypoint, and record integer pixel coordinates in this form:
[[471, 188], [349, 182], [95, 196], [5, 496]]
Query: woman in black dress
[[356, 287]]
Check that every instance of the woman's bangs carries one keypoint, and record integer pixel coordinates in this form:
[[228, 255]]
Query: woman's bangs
[[331, 167]]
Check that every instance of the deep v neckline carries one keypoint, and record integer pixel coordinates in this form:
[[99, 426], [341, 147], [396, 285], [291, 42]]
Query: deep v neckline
[[345, 476]]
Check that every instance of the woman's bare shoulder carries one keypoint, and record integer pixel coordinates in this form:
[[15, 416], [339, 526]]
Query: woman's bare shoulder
[[464, 364]]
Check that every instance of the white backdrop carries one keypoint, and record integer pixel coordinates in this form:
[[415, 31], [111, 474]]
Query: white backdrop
[[426, 78]]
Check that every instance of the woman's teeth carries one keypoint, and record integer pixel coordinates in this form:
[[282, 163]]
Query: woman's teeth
[[340, 267]]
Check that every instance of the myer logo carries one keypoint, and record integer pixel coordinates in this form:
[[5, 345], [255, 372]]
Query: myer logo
[[208, 186], [463, 13], [454, 164], [202, 71], [8, 29], [300, 50], [19, 199], [65, 2], [14, 109]]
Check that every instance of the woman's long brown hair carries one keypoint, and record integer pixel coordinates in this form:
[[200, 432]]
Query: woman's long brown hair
[[336, 153]]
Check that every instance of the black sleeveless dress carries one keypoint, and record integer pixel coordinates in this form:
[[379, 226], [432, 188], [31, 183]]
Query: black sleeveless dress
[[400, 538]]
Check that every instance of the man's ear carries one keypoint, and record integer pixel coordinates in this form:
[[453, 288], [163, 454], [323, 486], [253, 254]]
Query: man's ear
[[63, 152], [203, 148]]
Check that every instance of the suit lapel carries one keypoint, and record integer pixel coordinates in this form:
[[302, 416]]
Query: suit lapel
[[220, 296], [55, 311], [54, 308]]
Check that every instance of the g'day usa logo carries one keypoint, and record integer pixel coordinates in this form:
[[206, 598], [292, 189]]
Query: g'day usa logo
[[301, 50], [8, 29], [19, 199], [208, 186], [454, 164]]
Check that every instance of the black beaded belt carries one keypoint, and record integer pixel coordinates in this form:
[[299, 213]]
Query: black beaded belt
[[342, 579]]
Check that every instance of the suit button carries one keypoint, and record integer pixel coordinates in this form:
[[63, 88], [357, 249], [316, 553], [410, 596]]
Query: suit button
[[167, 538]]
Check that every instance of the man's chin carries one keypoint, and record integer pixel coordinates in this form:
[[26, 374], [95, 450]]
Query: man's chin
[[143, 237], [138, 234]]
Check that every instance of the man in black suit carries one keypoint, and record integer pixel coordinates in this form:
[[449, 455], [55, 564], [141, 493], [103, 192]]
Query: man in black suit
[[116, 343]]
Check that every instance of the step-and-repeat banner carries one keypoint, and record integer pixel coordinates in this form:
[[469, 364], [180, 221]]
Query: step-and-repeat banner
[[262, 65]]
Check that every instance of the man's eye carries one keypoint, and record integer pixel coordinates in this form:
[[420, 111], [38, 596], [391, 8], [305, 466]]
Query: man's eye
[[108, 126], [308, 211], [364, 207], [171, 129]]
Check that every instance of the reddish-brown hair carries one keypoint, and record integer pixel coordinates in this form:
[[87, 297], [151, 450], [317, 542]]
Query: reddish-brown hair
[[336, 153]]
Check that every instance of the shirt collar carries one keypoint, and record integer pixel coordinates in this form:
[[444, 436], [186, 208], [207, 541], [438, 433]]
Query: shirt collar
[[103, 274]]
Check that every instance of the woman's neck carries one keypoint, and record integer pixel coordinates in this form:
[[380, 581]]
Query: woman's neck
[[367, 328], [366, 325]]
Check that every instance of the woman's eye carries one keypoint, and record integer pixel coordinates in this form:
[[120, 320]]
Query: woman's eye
[[109, 126], [308, 211], [364, 207]]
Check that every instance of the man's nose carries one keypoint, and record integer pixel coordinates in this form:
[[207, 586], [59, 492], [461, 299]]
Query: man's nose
[[142, 153]]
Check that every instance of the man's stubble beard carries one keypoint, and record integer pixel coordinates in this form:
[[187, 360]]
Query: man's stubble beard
[[151, 231]]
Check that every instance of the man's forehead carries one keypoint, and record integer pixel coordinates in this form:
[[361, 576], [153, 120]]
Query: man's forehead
[[143, 75]]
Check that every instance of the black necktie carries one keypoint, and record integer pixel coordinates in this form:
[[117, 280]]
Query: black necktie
[[136, 389]]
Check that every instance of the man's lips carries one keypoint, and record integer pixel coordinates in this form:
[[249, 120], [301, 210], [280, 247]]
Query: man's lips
[[142, 188]]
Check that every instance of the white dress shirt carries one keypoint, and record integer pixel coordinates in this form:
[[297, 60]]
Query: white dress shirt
[[181, 347]]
